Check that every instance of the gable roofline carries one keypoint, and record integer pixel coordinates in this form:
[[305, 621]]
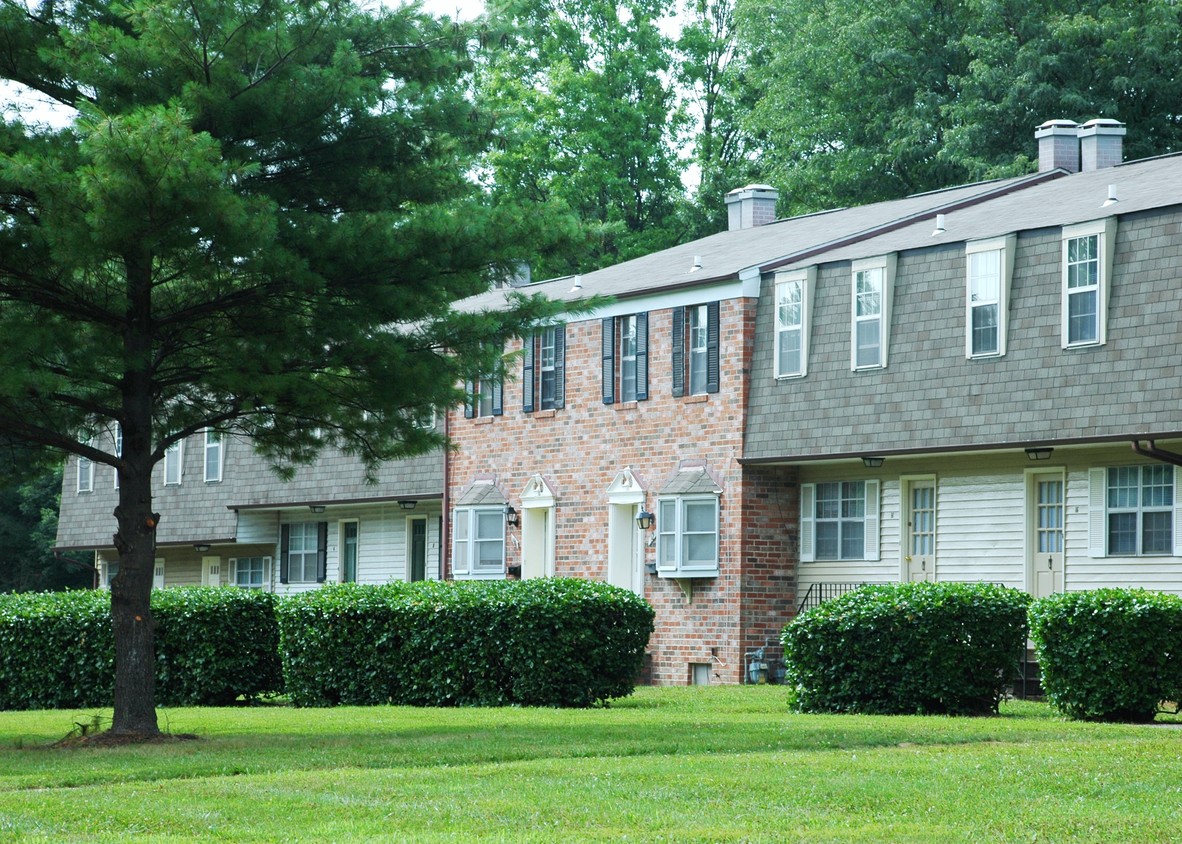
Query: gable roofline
[[909, 220]]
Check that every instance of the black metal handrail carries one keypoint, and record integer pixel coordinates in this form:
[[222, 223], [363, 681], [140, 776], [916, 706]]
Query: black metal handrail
[[818, 593]]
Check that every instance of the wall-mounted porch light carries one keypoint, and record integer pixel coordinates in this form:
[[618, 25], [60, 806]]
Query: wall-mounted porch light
[[873, 462], [1041, 453], [645, 520], [512, 519], [407, 505]]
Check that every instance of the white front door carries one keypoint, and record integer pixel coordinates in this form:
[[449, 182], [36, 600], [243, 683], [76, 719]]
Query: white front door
[[1045, 559], [211, 571], [536, 548], [919, 557], [625, 560]]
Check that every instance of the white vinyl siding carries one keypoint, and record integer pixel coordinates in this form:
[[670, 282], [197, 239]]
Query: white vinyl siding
[[1087, 271], [794, 297], [872, 292], [990, 267]]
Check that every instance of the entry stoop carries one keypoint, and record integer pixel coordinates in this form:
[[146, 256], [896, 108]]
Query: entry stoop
[[1027, 682]]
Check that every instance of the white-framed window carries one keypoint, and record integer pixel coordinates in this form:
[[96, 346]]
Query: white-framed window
[[250, 572], [794, 297], [543, 370], [478, 542], [989, 268], [213, 456], [173, 463], [350, 547], [1087, 270], [839, 521], [1134, 511], [687, 536], [694, 350], [485, 397], [86, 472], [110, 571], [304, 547], [873, 284], [625, 358], [118, 437]]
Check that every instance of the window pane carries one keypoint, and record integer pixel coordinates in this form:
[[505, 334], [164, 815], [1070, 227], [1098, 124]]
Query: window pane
[[1156, 536], [853, 499], [1158, 486], [489, 524], [828, 546], [985, 276], [699, 516], [700, 548], [985, 329], [828, 501], [853, 541], [1122, 533], [869, 287], [868, 343], [1123, 487], [1082, 325], [790, 351]]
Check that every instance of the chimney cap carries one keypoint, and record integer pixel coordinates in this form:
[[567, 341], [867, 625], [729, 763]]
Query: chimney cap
[[1102, 126], [752, 189], [1057, 126]]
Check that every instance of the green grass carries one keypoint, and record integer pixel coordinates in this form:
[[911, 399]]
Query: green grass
[[696, 764]]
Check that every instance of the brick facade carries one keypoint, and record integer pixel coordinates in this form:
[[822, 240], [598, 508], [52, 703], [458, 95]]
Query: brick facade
[[581, 448]]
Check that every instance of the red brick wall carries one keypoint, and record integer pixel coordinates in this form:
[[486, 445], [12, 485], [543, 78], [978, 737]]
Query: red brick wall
[[579, 450]]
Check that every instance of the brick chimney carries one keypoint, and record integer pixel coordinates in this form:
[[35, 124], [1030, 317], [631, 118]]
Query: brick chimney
[[1058, 145], [1101, 144], [751, 206]]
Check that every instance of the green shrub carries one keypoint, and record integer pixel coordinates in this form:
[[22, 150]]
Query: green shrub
[[935, 648], [1109, 654], [546, 642], [212, 645]]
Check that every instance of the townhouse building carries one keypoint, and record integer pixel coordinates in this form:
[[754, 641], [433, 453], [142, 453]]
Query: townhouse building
[[974, 384]]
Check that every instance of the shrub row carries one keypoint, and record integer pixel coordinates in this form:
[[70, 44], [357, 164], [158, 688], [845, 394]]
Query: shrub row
[[212, 645], [932, 648], [545, 642], [1109, 654]]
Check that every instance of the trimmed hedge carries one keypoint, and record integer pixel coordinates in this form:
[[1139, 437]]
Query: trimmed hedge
[[929, 648], [1109, 654], [543, 642], [212, 645]]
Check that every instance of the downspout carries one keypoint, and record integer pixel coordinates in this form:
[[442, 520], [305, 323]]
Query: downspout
[[445, 518], [1156, 453]]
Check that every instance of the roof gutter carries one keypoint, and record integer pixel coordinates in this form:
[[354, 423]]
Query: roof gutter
[[1156, 453]]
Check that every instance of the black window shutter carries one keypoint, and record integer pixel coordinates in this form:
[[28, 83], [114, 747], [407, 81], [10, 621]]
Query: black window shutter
[[498, 389], [321, 551], [527, 374], [284, 554], [678, 351], [560, 366], [469, 399], [641, 357], [712, 347], [609, 360]]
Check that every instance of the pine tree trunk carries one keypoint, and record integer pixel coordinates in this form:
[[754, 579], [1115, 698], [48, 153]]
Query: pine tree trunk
[[131, 613]]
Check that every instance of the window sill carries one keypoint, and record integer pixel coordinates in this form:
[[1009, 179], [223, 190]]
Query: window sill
[[483, 420], [626, 405], [549, 413], [696, 399]]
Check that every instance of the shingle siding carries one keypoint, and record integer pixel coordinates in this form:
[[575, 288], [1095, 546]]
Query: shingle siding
[[931, 397]]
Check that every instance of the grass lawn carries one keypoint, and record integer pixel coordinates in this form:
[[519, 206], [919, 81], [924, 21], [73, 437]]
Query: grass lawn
[[685, 764]]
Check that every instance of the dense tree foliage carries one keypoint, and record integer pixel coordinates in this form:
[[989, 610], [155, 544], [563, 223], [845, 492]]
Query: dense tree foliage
[[28, 528], [585, 104], [862, 100], [256, 223]]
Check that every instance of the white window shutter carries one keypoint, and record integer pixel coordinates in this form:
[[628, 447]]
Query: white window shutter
[[808, 509], [871, 521], [1177, 512], [1097, 490]]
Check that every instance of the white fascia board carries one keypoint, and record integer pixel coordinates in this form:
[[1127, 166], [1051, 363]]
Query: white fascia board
[[659, 300]]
